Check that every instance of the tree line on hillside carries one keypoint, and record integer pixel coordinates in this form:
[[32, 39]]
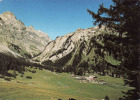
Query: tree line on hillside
[[75, 63], [8, 62], [58, 65]]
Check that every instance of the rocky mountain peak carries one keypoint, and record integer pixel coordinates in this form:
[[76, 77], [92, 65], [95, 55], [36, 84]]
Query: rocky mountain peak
[[79, 29], [40, 31], [8, 15], [65, 45], [20, 38], [31, 27], [10, 19]]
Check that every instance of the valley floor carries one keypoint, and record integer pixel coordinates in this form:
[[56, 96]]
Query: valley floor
[[46, 85]]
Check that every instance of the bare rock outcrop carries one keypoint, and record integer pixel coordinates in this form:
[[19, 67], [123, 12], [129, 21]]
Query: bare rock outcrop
[[64, 45], [19, 38]]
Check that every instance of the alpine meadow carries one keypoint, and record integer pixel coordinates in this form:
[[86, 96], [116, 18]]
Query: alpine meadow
[[69, 50]]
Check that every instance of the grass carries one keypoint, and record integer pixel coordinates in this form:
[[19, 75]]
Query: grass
[[111, 60], [111, 80], [46, 85]]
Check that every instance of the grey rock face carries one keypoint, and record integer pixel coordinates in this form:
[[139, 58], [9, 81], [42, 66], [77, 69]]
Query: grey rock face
[[19, 38], [64, 45]]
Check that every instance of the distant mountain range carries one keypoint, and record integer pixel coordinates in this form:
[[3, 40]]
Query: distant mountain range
[[62, 46], [18, 39], [77, 52]]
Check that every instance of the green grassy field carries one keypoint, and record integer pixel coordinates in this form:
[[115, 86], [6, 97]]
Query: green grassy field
[[46, 85]]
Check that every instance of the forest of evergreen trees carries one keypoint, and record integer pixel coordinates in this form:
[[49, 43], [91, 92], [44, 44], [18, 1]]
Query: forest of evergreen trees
[[16, 64]]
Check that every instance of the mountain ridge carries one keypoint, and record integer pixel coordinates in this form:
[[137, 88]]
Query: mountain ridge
[[19, 38], [77, 52], [68, 40]]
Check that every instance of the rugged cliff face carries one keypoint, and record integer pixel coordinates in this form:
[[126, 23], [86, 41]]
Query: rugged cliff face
[[66, 44], [77, 52], [23, 40]]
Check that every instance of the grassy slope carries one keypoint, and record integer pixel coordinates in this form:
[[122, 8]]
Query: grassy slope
[[46, 85]]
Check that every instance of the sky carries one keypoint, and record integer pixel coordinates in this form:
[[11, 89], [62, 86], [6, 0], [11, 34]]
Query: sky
[[54, 17]]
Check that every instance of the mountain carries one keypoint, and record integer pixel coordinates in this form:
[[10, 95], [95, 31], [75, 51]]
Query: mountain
[[18, 38], [78, 52], [64, 45], [7, 51]]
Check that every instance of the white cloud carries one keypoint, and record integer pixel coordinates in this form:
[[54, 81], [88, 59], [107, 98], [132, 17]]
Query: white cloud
[[1, 0]]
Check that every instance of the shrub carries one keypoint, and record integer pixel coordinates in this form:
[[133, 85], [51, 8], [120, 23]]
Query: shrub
[[33, 71], [8, 79], [29, 77]]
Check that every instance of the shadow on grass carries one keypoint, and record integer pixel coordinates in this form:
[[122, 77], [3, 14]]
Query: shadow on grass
[[7, 76], [130, 95], [69, 99], [106, 98]]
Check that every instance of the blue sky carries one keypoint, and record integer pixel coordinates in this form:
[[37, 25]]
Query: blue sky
[[55, 17]]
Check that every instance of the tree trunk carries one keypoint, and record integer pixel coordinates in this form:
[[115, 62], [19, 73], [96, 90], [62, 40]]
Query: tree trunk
[[138, 87]]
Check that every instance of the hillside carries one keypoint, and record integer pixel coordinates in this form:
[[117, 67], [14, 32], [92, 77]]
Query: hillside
[[7, 51], [94, 54], [64, 45], [46, 85], [19, 38], [79, 52], [77, 56]]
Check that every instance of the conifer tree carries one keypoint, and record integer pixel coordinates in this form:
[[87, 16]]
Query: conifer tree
[[123, 16]]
